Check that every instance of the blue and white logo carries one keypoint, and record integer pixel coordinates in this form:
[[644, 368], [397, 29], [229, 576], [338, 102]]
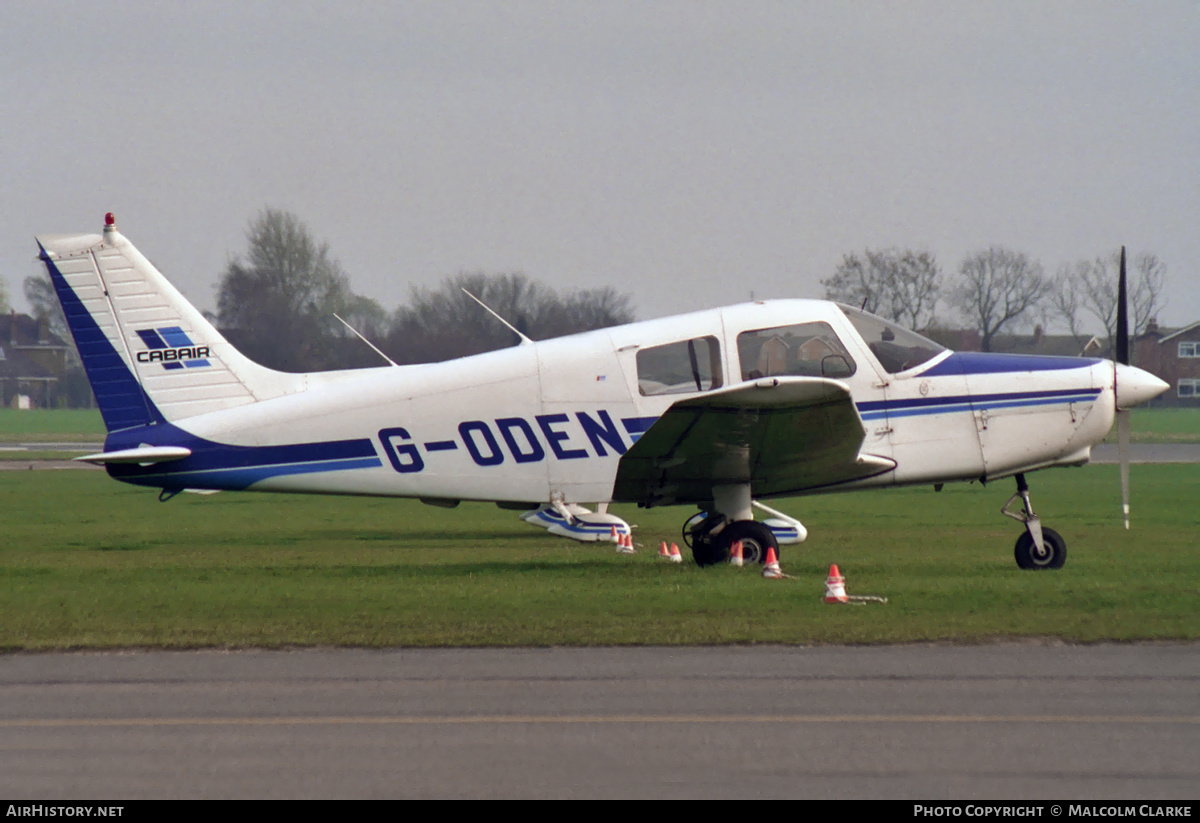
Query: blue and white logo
[[173, 348]]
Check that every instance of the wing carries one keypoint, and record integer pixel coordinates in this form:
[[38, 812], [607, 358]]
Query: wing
[[781, 435]]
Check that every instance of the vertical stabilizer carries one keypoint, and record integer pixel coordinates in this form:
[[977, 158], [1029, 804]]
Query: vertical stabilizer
[[150, 356]]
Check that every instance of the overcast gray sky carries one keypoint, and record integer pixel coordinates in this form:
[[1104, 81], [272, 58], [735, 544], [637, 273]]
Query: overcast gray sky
[[689, 153]]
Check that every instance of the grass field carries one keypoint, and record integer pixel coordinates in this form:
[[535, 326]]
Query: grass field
[[45, 425], [87, 562], [31, 455], [1163, 426]]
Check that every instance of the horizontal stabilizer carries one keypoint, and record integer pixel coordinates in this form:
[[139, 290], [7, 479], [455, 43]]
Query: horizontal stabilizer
[[143, 455]]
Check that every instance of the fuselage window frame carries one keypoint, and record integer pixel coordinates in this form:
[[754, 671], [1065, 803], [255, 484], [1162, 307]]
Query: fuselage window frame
[[681, 367], [798, 350]]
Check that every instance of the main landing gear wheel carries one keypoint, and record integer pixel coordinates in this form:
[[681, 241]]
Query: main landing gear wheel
[[697, 533], [1052, 556], [706, 554], [712, 533], [708, 548], [756, 539]]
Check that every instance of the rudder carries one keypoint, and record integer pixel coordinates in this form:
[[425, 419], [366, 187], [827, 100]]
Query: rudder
[[150, 356]]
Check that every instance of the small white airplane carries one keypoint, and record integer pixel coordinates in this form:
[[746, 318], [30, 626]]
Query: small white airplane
[[718, 408]]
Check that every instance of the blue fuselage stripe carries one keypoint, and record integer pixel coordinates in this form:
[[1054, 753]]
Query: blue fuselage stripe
[[975, 362], [876, 409], [223, 466], [241, 477], [548, 520]]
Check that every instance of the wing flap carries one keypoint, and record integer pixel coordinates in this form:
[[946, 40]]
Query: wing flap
[[780, 435]]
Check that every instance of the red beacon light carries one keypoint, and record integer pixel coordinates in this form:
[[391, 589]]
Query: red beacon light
[[110, 220]]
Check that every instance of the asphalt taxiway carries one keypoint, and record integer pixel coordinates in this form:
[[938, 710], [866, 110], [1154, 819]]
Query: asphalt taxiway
[[1015, 720]]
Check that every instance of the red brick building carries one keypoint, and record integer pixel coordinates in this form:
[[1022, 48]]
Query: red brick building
[[1173, 356], [32, 359]]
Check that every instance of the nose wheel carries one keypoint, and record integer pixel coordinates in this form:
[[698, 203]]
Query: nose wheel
[[1038, 547], [1052, 555]]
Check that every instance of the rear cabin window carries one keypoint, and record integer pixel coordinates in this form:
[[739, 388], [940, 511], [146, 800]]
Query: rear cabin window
[[803, 350], [677, 368]]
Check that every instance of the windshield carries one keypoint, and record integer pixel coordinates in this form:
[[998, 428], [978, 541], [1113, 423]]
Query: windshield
[[897, 348]]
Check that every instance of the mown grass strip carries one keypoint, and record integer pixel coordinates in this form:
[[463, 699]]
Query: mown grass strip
[[49, 425], [1163, 426], [34, 455], [89, 563]]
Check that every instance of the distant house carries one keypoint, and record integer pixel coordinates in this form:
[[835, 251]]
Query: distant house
[[1174, 356], [32, 359], [955, 339], [1061, 345]]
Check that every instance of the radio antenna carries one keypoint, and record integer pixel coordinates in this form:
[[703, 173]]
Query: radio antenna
[[365, 340], [525, 341]]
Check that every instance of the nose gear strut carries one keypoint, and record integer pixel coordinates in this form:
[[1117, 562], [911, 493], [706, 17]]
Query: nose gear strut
[[1039, 547]]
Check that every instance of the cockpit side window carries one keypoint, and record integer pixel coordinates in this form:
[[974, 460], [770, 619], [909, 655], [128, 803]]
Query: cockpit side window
[[897, 348], [802, 350], [677, 368]]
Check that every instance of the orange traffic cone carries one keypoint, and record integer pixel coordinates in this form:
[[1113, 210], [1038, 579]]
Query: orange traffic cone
[[676, 557], [771, 570], [835, 586], [663, 551], [625, 546], [615, 537], [735, 554]]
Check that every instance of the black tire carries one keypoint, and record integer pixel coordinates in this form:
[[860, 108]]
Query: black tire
[[1026, 552], [756, 539], [697, 527], [705, 553]]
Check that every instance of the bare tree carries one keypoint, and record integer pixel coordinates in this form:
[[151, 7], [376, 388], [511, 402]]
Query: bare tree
[[279, 304], [998, 287], [370, 319], [1066, 299], [365, 314], [72, 387], [42, 299], [444, 323], [1089, 287], [900, 285], [584, 310]]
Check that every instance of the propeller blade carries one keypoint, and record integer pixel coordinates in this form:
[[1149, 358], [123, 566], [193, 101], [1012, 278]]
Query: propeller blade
[[1121, 355], [1121, 352], [1123, 454]]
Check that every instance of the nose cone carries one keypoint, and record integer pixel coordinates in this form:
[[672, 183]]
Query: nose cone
[[1135, 386]]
